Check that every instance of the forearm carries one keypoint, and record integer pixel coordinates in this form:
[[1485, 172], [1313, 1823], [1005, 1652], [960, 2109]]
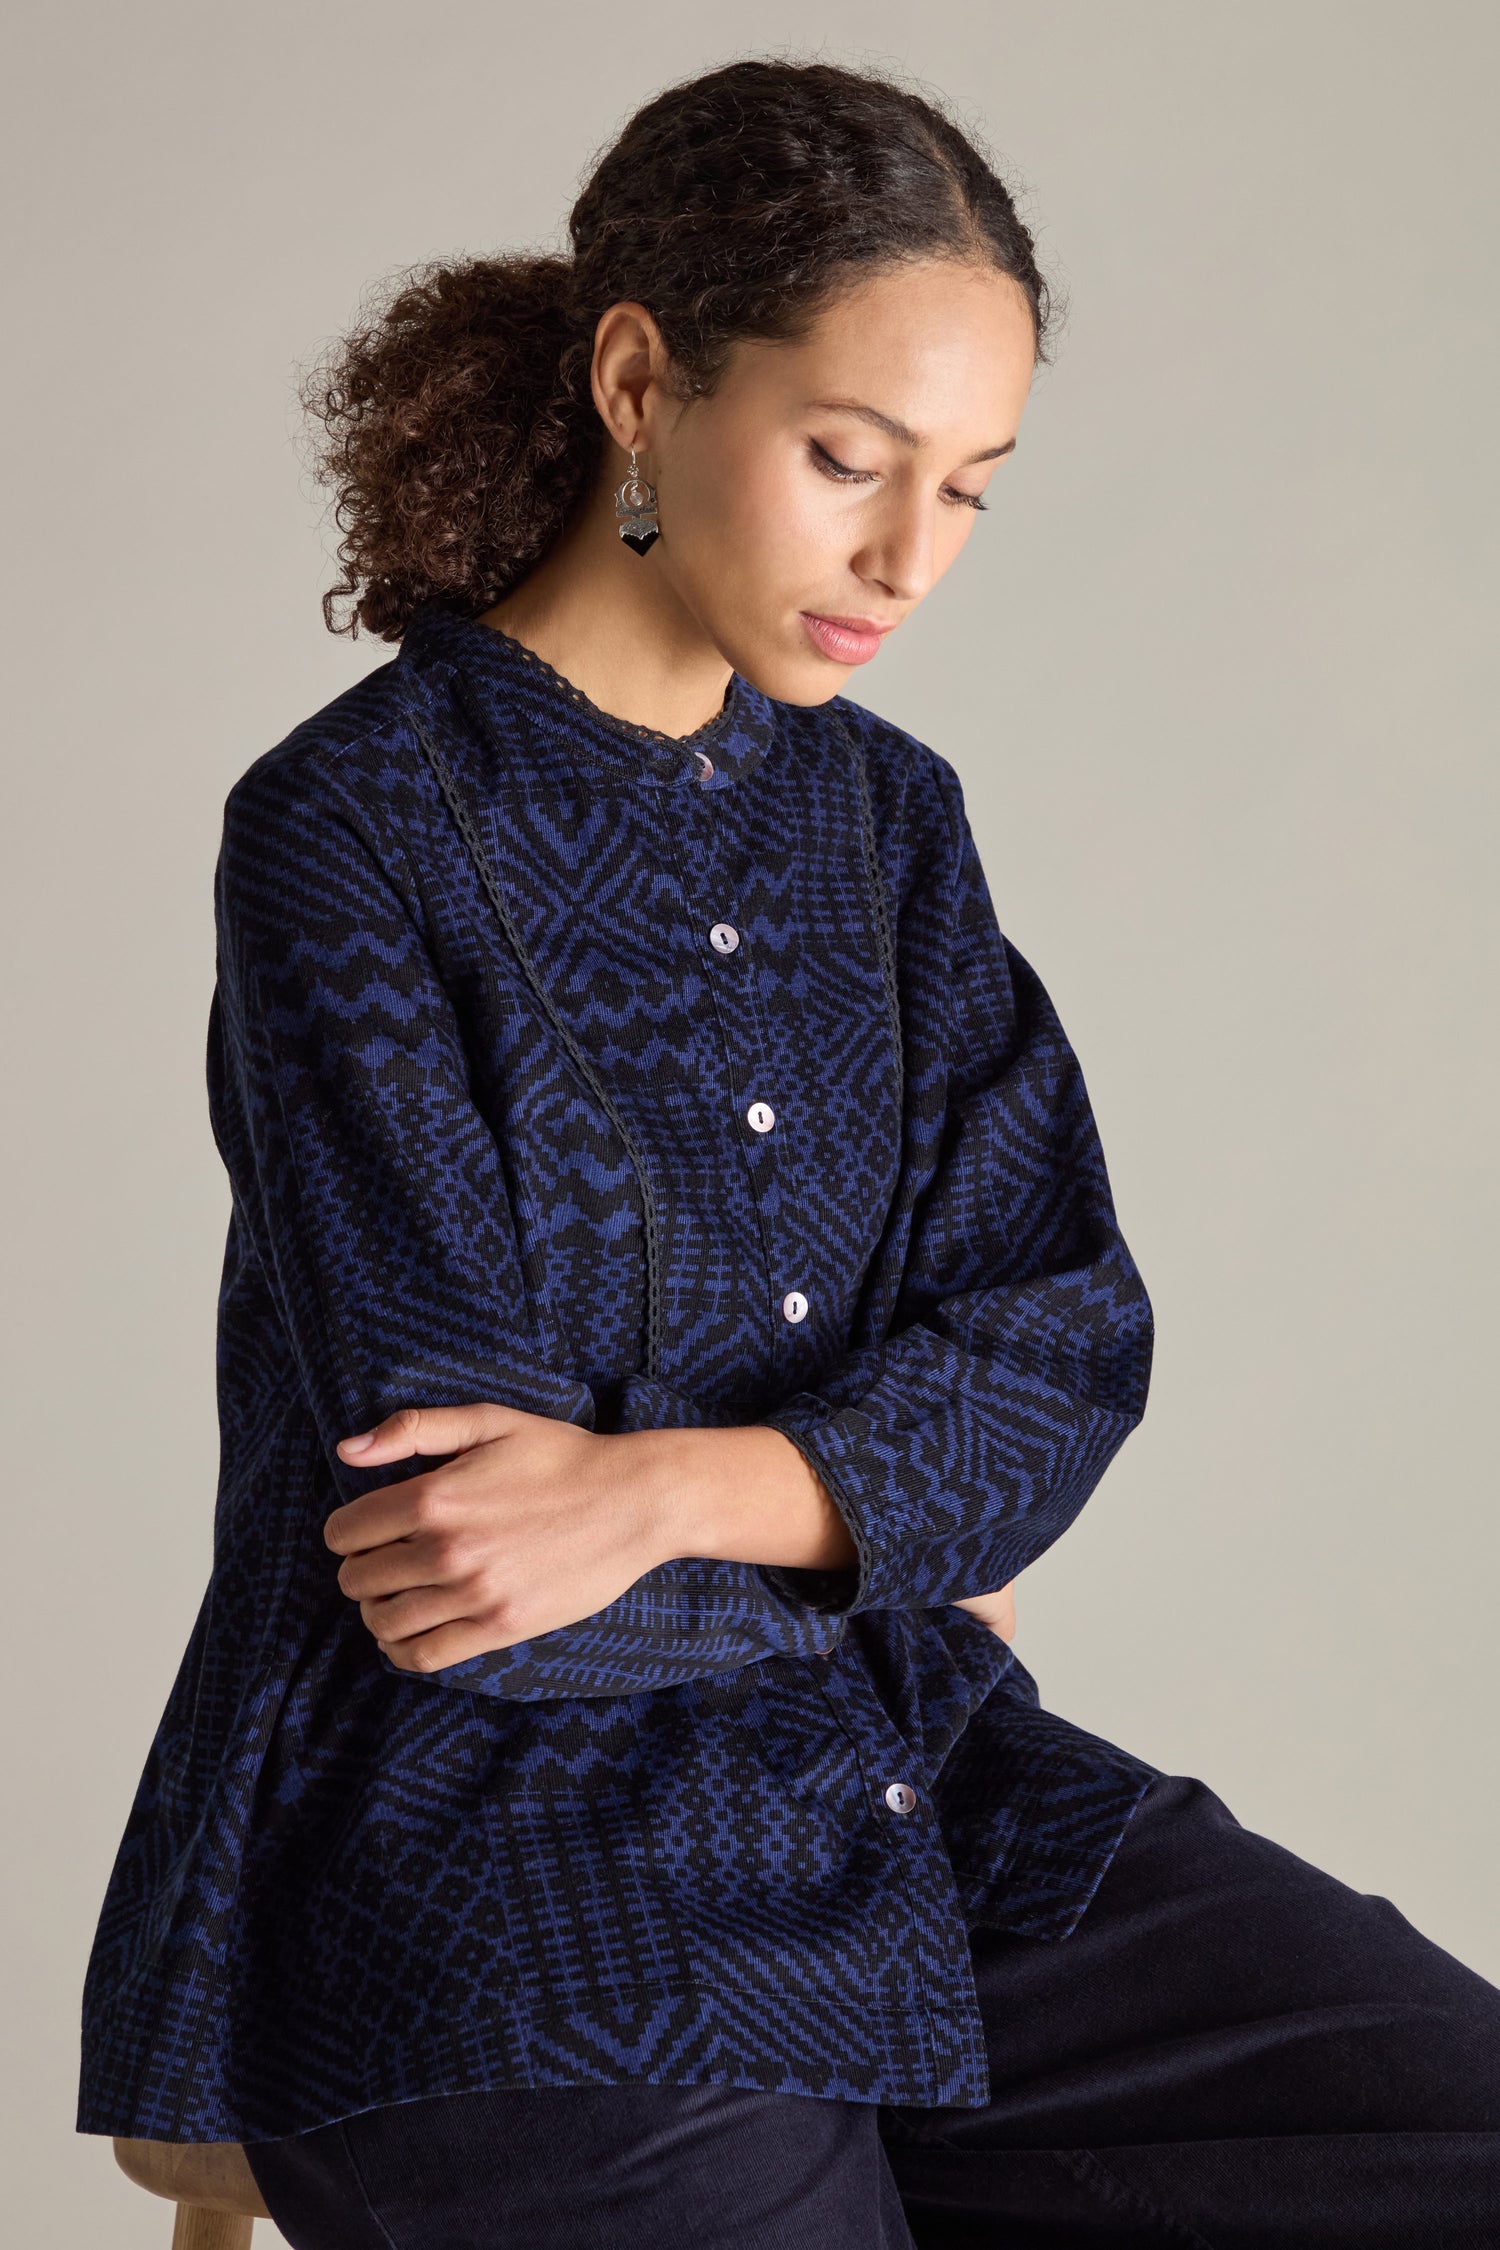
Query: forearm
[[544, 1560], [745, 1494], [750, 1495]]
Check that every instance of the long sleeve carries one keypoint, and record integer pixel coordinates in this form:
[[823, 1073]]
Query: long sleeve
[[371, 1186], [374, 1195], [1019, 1350]]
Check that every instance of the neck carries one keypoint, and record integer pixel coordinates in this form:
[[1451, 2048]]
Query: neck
[[609, 621]]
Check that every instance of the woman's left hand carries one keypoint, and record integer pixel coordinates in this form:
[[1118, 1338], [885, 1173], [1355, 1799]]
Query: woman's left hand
[[537, 1523], [998, 1609]]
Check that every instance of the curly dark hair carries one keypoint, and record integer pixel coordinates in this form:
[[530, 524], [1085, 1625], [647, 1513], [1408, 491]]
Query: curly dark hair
[[458, 427]]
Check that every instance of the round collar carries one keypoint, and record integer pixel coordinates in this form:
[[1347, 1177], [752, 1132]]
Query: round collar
[[714, 756]]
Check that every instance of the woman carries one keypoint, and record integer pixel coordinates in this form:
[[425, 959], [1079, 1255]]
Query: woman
[[672, 1291]]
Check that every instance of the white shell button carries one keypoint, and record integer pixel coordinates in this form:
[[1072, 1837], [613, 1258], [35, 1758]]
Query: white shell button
[[794, 1305], [761, 1116], [901, 1797], [723, 937]]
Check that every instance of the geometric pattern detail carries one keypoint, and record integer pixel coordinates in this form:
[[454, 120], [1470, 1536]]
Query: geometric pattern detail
[[654, 1844]]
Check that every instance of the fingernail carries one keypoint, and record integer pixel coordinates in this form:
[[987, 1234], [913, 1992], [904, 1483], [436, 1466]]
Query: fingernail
[[360, 1444]]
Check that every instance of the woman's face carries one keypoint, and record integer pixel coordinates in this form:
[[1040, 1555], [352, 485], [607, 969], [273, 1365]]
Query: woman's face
[[822, 491]]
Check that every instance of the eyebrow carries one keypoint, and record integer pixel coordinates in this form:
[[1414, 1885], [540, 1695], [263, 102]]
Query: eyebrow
[[899, 430]]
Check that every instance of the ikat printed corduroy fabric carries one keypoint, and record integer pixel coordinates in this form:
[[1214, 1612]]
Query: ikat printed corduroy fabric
[[499, 979]]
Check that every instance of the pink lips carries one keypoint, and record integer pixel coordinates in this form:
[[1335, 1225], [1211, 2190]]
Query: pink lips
[[848, 640]]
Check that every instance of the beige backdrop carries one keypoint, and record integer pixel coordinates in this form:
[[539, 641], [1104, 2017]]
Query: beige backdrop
[[1217, 677]]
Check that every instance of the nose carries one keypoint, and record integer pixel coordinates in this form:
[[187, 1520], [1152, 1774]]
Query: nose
[[898, 553]]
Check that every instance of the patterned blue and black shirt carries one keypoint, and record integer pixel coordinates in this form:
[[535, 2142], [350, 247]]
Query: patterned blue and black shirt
[[501, 980]]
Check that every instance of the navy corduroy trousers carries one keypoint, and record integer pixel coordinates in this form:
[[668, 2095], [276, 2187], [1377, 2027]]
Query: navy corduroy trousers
[[1231, 2049]]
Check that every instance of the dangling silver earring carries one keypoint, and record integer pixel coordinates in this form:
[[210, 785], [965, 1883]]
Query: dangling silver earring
[[635, 505]]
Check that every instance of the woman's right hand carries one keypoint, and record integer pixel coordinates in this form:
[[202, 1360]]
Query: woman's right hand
[[998, 1610]]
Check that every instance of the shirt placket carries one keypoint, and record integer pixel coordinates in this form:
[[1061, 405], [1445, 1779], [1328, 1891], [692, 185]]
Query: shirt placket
[[759, 1111], [900, 1802]]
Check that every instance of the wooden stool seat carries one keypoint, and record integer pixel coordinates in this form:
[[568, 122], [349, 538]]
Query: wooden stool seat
[[210, 2182]]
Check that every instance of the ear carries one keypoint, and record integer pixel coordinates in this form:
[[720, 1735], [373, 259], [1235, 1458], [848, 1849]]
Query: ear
[[626, 377]]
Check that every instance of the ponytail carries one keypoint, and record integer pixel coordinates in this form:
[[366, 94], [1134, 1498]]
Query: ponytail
[[458, 429]]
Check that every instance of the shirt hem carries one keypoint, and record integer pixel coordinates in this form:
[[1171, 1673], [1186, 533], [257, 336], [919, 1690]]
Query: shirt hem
[[666, 2035]]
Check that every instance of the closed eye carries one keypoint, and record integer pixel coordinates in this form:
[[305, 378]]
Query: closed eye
[[825, 461]]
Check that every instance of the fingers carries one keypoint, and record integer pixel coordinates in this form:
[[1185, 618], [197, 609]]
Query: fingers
[[419, 1506], [376, 1517], [369, 1573], [426, 1429], [446, 1644], [394, 1618], [996, 1610], [409, 1585]]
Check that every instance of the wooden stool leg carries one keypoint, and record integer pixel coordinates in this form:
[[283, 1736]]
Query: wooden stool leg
[[200, 2229]]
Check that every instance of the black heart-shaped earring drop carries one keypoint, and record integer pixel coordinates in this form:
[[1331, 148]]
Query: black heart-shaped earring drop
[[635, 505]]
